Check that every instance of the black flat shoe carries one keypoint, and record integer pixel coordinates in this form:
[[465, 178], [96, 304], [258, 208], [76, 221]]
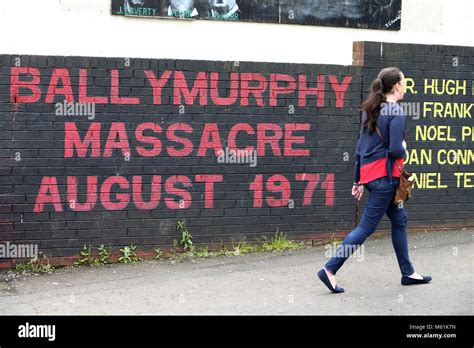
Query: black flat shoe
[[410, 281], [325, 279]]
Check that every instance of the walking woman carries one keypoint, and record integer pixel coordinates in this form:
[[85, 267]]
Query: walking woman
[[377, 170]]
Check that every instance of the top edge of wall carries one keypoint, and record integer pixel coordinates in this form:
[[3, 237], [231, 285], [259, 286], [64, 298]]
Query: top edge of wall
[[361, 48]]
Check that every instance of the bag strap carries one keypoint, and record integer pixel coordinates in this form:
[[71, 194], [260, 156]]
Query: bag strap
[[377, 129], [356, 218]]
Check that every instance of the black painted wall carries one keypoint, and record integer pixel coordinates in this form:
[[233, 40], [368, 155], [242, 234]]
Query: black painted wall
[[440, 198], [300, 184]]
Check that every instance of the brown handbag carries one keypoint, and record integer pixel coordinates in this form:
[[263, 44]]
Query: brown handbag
[[403, 192]]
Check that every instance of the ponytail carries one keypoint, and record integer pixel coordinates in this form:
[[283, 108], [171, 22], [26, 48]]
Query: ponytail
[[379, 88]]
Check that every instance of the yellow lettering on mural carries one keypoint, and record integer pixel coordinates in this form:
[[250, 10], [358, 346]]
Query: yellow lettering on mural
[[456, 157], [409, 85], [453, 110], [417, 158], [467, 132], [449, 87], [428, 181], [467, 179], [434, 133]]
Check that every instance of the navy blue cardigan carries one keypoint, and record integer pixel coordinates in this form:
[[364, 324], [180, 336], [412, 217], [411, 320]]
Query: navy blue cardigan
[[370, 147]]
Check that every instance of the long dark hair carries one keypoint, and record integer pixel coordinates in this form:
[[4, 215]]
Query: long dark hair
[[382, 85]]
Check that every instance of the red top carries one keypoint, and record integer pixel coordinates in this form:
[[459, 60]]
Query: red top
[[375, 170]]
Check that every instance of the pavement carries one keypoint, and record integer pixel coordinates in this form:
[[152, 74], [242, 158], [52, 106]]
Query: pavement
[[279, 283]]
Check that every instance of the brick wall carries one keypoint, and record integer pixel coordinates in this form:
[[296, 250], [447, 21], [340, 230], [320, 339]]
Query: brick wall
[[440, 135], [149, 154]]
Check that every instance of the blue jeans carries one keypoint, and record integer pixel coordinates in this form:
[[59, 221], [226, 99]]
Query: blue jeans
[[380, 201]]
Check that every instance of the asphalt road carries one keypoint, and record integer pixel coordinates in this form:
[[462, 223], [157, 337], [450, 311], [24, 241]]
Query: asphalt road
[[264, 283]]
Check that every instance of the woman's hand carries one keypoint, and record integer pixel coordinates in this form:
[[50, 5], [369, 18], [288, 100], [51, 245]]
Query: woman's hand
[[358, 192], [404, 144]]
